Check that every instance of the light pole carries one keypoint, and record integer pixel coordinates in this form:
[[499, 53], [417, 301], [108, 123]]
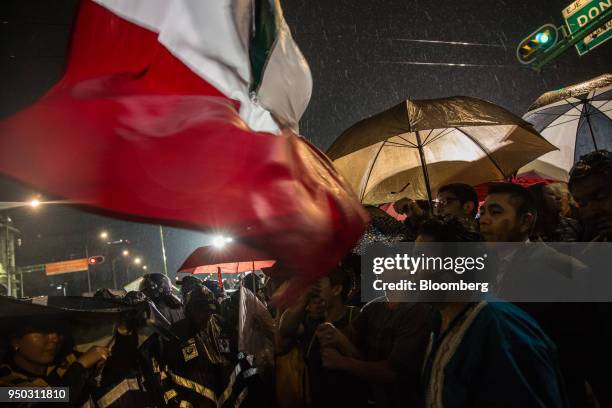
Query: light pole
[[163, 248], [10, 266], [7, 256], [9, 245], [113, 250]]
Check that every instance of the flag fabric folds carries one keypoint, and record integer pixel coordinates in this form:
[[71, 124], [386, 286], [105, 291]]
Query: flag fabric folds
[[161, 115]]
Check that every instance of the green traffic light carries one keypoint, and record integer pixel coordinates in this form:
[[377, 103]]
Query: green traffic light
[[536, 44], [542, 38]]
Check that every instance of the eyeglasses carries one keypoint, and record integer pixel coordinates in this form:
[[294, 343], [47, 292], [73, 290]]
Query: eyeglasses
[[442, 203]]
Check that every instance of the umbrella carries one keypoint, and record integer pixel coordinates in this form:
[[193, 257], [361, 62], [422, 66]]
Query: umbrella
[[577, 120], [230, 258], [383, 229], [416, 147], [525, 180]]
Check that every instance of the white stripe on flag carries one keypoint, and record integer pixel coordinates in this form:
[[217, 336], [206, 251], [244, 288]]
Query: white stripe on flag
[[211, 38]]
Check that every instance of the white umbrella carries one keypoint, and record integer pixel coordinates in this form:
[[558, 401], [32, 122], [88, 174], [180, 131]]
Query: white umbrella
[[416, 147], [577, 120]]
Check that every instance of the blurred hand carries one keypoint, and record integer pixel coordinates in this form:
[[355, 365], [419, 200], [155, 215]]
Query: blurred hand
[[331, 358], [328, 335], [93, 356], [407, 206]]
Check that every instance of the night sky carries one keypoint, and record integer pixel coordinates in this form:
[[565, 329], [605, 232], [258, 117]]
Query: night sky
[[365, 56]]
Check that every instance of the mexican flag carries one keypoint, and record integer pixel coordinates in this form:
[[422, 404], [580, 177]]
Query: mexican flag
[[183, 112]]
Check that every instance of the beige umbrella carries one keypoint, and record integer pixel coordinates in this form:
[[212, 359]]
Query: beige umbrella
[[415, 147]]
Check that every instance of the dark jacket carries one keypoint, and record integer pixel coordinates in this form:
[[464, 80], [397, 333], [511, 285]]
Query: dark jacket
[[67, 373], [534, 268]]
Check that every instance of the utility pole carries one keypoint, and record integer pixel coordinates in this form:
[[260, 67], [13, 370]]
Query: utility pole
[[163, 248], [88, 267], [9, 253], [9, 278]]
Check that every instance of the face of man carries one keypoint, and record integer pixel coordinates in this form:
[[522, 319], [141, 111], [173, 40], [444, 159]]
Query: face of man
[[594, 197], [38, 347], [499, 221], [327, 292], [448, 205]]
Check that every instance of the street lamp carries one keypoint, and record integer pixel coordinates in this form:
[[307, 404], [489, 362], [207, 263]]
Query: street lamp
[[125, 252], [104, 235], [137, 261], [34, 203], [220, 241], [144, 267]]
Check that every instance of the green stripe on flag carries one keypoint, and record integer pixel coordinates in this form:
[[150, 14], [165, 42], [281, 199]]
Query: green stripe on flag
[[263, 36]]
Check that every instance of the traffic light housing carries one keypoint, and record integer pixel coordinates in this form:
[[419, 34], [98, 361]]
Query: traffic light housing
[[95, 260], [537, 43]]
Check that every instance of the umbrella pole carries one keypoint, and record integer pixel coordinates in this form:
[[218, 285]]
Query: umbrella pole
[[425, 172], [588, 118], [253, 273], [219, 277]]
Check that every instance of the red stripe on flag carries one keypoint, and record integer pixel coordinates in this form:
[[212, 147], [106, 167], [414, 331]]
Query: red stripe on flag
[[103, 44]]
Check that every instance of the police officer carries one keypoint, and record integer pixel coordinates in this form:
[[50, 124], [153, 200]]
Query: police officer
[[40, 356], [187, 284], [158, 288]]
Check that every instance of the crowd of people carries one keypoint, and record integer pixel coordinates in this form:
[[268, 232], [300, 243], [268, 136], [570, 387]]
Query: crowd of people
[[328, 349]]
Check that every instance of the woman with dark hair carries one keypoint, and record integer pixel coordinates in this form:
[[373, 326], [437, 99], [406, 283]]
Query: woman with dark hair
[[39, 356], [550, 225]]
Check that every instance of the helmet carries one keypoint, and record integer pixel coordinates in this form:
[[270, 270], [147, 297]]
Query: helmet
[[188, 283], [155, 285], [200, 304], [214, 287]]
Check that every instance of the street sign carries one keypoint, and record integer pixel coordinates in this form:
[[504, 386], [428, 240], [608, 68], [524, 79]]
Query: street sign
[[579, 14], [73, 265]]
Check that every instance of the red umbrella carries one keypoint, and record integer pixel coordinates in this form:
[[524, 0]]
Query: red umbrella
[[524, 180], [230, 258]]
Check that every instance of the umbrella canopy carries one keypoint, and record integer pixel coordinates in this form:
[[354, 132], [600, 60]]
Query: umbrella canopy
[[416, 147], [577, 120], [525, 180], [231, 258]]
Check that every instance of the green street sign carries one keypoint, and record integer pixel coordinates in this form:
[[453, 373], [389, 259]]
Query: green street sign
[[578, 14]]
